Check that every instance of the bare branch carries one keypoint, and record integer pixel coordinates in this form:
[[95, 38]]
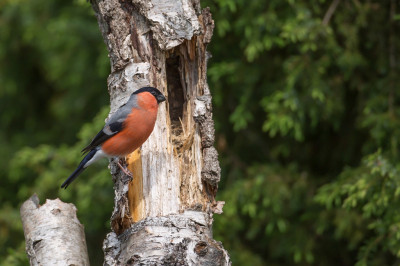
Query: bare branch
[[330, 12]]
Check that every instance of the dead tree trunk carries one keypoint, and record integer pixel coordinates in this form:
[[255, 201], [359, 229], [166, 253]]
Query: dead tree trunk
[[163, 216]]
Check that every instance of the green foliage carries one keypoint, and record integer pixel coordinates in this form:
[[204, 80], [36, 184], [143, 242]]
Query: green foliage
[[373, 189], [50, 166], [53, 70], [309, 154]]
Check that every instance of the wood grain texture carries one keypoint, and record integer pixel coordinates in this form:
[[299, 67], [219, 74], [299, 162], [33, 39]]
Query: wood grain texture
[[135, 192], [53, 234]]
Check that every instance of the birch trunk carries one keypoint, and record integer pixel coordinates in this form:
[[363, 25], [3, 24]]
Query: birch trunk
[[53, 233], [163, 215]]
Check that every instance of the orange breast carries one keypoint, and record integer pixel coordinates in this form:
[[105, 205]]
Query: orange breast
[[137, 128]]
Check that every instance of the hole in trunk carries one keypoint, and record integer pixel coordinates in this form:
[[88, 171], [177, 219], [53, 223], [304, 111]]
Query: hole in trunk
[[175, 99]]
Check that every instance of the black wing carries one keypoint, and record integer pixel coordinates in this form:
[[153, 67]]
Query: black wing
[[113, 126], [107, 132]]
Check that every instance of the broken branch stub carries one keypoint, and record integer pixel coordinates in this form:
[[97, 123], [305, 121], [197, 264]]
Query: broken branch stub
[[53, 233]]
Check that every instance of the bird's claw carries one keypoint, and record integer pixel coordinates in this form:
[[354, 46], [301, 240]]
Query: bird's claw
[[125, 170]]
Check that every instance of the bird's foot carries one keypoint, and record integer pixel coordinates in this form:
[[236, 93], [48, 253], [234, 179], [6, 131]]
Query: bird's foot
[[125, 170]]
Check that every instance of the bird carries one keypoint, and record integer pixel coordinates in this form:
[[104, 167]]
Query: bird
[[126, 130]]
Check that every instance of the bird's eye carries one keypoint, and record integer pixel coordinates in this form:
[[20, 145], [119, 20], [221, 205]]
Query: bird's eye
[[153, 93]]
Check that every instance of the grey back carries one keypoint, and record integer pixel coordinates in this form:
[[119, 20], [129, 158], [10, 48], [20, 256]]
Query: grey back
[[121, 114]]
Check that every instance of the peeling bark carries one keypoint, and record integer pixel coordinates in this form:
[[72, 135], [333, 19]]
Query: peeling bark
[[53, 234], [163, 215], [176, 239]]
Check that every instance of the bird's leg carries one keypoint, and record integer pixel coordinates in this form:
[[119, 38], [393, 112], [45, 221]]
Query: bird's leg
[[124, 169]]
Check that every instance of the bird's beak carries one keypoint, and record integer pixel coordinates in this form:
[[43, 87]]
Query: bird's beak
[[160, 98]]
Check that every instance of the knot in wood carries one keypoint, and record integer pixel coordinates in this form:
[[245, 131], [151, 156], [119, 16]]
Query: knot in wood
[[55, 211], [132, 260], [201, 248]]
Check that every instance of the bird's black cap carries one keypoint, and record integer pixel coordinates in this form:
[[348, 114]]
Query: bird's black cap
[[156, 93]]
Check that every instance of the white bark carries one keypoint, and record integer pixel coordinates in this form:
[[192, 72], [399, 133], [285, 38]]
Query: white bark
[[180, 239], [53, 233], [163, 215]]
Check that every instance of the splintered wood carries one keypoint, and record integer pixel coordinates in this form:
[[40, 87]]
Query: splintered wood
[[135, 192]]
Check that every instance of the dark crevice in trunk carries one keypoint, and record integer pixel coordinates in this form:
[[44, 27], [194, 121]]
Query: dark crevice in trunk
[[176, 99]]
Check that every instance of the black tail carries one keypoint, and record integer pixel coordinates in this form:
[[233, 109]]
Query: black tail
[[80, 169]]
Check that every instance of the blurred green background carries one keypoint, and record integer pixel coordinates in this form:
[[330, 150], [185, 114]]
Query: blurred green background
[[307, 112]]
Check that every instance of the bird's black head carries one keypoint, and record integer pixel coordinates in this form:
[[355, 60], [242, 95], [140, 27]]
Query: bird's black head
[[156, 93]]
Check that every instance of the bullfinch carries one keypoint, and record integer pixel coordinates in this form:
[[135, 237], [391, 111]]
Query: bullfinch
[[126, 130]]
